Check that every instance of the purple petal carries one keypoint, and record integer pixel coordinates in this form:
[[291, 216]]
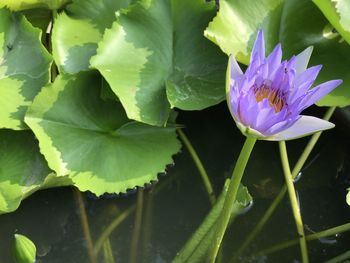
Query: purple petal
[[258, 52], [235, 69], [274, 59], [314, 95], [302, 60], [304, 126], [303, 82]]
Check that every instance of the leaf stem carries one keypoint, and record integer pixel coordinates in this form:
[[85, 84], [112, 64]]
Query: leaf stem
[[340, 258], [293, 201], [297, 168], [85, 226], [318, 235], [110, 228], [137, 228], [200, 167], [230, 198]]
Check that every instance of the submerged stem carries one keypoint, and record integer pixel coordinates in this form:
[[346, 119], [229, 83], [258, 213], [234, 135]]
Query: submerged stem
[[85, 226], [318, 235], [137, 228], [200, 167], [110, 228], [293, 201], [231, 196], [297, 168]]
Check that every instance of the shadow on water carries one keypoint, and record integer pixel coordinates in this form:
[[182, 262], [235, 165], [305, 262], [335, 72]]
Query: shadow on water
[[174, 208]]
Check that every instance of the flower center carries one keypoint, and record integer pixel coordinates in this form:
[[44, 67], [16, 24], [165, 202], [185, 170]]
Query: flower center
[[276, 98]]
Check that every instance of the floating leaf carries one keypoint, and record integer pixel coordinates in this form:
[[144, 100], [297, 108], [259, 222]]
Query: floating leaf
[[24, 250], [76, 34], [91, 140], [155, 57], [337, 12], [297, 24], [23, 170], [24, 67], [196, 248], [18, 5]]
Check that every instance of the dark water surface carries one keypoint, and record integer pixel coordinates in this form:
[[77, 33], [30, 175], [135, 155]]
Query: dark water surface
[[174, 208]]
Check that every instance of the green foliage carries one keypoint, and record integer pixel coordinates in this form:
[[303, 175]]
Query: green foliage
[[92, 141], [24, 250], [18, 5], [24, 68], [103, 124], [75, 35], [155, 57], [297, 24]]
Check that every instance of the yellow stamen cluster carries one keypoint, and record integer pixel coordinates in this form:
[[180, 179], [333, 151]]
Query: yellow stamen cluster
[[276, 100]]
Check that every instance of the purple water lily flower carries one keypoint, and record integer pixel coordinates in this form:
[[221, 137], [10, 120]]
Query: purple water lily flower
[[266, 101]]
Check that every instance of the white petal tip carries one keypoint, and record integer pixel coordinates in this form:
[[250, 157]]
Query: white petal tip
[[305, 126]]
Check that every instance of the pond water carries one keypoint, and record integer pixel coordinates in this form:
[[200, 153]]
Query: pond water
[[160, 219]]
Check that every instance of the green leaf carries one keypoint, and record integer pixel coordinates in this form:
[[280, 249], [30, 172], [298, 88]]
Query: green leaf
[[75, 36], [155, 57], [196, 248], [348, 197], [91, 140], [24, 67], [24, 250], [19, 5], [337, 12], [23, 170], [297, 24]]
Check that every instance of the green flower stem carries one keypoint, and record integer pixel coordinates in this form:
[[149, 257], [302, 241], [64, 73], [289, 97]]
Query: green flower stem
[[340, 258], [85, 225], [137, 228], [200, 167], [231, 196], [269, 212], [314, 236], [293, 201]]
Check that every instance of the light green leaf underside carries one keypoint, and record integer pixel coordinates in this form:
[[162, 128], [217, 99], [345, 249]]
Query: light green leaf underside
[[335, 11], [23, 170], [76, 34], [18, 5], [196, 248], [155, 57], [92, 141], [296, 24], [343, 8], [24, 68]]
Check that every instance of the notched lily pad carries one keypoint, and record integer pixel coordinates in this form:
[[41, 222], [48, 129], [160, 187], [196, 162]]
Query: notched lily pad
[[155, 57], [91, 140], [24, 68], [23, 170], [76, 33]]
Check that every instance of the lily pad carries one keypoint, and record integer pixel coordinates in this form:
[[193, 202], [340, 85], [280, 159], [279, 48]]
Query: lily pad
[[155, 57], [90, 139], [297, 24], [23, 170], [19, 5], [24, 68], [76, 34], [337, 12]]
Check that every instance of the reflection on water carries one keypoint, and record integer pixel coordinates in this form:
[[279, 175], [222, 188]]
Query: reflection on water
[[159, 221]]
